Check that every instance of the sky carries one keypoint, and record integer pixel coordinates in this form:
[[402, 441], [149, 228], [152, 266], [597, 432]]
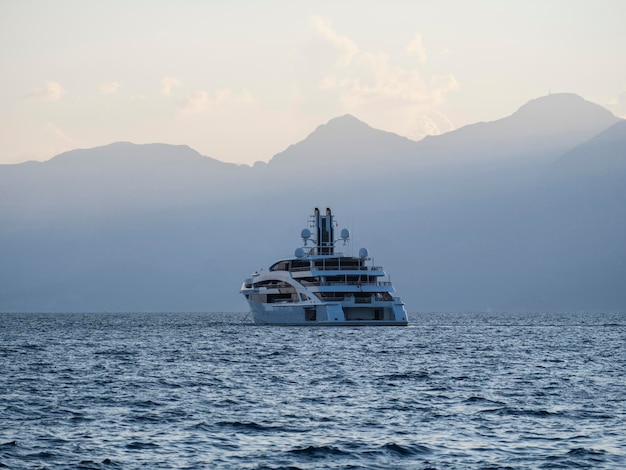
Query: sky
[[240, 81]]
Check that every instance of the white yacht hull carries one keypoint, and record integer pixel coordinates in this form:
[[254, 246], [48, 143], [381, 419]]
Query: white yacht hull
[[328, 314]]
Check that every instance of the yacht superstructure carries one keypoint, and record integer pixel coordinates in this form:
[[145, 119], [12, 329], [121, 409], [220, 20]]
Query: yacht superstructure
[[320, 286]]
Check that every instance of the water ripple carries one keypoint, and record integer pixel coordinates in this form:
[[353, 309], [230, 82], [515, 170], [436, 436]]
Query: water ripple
[[199, 391]]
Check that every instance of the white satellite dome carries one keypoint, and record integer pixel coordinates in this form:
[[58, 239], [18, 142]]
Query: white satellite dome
[[363, 253]]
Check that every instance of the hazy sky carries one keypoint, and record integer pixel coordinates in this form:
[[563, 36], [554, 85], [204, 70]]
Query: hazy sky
[[240, 81]]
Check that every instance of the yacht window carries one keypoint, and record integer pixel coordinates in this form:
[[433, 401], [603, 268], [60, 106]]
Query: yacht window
[[300, 265], [280, 266]]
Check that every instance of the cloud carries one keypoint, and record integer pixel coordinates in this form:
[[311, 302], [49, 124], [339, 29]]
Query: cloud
[[109, 88], [245, 97], [346, 48], [224, 95], [387, 91], [415, 47], [202, 101], [617, 105], [197, 103], [431, 123], [167, 83], [50, 91], [57, 133], [53, 141]]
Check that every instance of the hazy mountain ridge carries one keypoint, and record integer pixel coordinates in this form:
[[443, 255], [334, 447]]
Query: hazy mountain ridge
[[346, 137], [125, 153], [543, 129], [603, 154], [463, 221]]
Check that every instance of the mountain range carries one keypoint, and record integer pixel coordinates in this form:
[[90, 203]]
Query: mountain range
[[525, 213]]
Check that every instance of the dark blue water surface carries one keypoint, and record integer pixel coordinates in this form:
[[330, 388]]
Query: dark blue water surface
[[202, 390]]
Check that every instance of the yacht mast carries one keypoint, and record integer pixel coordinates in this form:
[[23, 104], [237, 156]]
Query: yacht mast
[[325, 232]]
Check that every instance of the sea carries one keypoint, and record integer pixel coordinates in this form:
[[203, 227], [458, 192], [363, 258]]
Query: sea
[[480, 390]]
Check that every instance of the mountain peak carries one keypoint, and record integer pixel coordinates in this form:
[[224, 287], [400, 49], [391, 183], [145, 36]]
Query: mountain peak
[[344, 139], [346, 120], [346, 126], [127, 151], [565, 119], [123, 154], [567, 109]]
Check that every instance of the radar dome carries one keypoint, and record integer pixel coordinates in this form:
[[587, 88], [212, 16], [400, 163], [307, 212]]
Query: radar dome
[[363, 253], [345, 233], [306, 233], [299, 252]]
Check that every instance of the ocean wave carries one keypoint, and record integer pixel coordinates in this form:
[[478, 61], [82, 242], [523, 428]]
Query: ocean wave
[[406, 450], [321, 451], [167, 391]]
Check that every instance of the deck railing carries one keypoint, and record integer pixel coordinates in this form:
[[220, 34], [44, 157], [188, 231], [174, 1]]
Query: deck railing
[[346, 283]]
